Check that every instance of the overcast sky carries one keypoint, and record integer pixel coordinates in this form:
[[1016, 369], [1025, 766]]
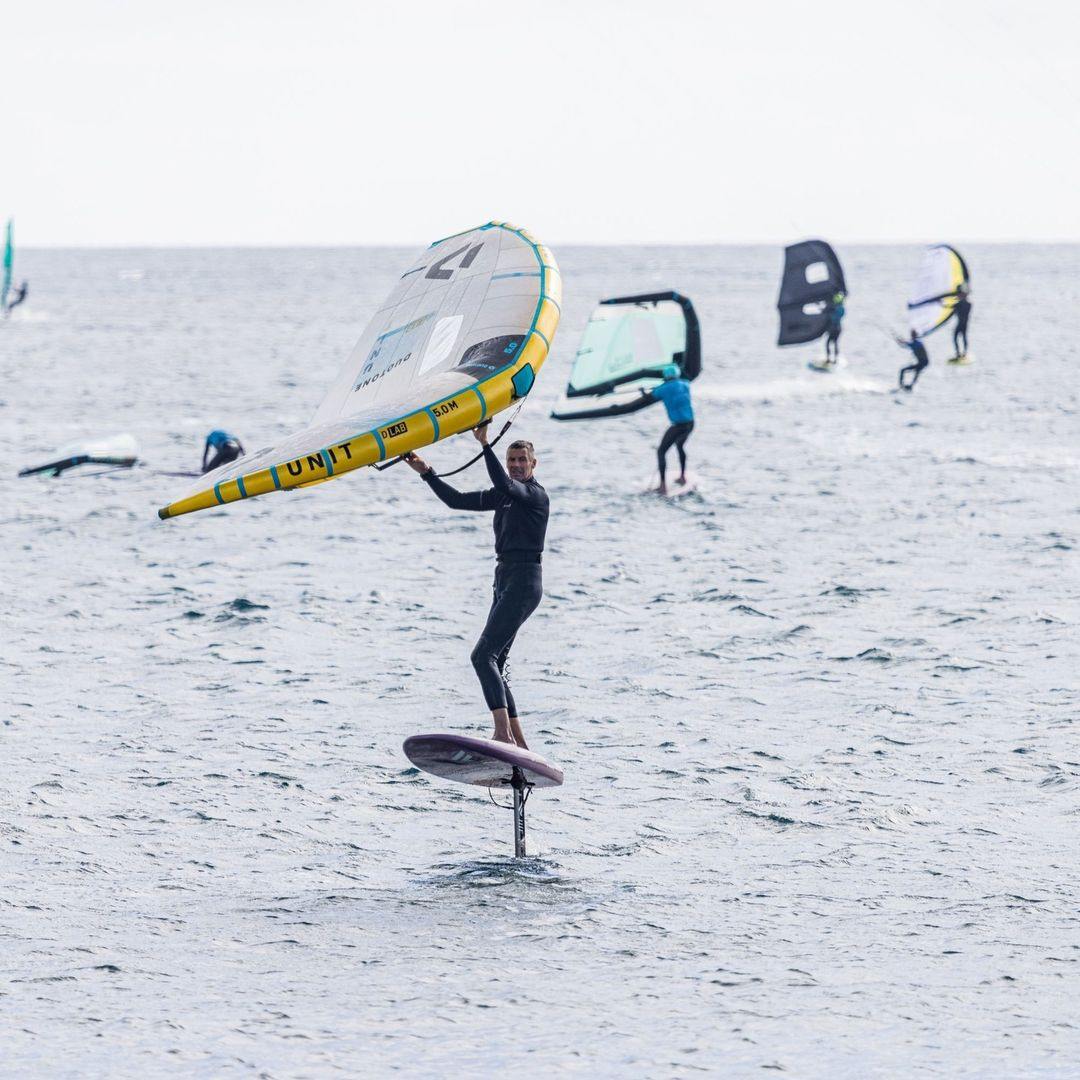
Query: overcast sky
[[326, 122]]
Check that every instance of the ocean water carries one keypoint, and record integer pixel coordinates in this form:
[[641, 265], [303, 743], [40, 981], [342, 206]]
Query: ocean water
[[818, 721]]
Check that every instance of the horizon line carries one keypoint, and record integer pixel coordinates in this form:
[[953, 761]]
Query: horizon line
[[330, 246]]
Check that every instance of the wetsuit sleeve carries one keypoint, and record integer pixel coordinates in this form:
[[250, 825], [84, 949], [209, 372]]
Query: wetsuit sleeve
[[460, 500], [504, 486]]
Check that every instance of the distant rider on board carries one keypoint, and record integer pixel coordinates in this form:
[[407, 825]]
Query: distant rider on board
[[962, 313], [674, 392], [20, 296], [836, 313], [922, 359], [520, 505], [226, 448]]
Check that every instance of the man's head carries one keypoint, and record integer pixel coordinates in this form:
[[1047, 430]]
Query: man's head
[[914, 335], [670, 371], [520, 460]]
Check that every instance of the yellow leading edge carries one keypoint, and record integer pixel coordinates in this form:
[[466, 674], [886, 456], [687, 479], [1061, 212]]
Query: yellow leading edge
[[434, 421]]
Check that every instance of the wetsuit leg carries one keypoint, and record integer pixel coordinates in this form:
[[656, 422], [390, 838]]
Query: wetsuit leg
[[229, 452], [518, 589], [503, 665], [960, 334], [666, 442], [916, 370], [832, 343], [680, 444]]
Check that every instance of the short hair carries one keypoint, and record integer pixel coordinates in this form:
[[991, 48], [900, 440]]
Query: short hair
[[523, 444]]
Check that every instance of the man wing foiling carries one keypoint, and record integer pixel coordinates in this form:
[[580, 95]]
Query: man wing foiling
[[962, 313], [922, 360], [675, 394], [520, 505], [225, 448]]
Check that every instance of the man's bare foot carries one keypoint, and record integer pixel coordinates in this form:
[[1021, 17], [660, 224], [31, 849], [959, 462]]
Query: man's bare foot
[[503, 732], [682, 480], [519, 735], [662, 489]]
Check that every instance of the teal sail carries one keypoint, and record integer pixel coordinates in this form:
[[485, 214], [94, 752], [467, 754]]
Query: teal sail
[[9, 259], [626, 346]]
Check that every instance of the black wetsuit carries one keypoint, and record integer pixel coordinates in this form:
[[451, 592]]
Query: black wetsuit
[[832, 338], [676, 436], [20, 296], [521, 517], [223, 454], [918, 350], [677, 399], [961, 312]]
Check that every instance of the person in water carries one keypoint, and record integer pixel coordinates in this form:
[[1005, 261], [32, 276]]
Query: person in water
[[520, 506], [918, 350], [225, 448], [20, 296], [836, 313], [961, 312], [674, 392]]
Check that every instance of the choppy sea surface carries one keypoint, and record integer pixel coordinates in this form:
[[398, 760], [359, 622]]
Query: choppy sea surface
[[819, 721]]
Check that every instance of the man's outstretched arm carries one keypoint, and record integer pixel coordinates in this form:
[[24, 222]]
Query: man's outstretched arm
[[456, 500]]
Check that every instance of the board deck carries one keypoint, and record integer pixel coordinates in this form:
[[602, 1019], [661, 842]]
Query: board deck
[[823, 365], [483, 762], [675, 490], [961, 361]]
